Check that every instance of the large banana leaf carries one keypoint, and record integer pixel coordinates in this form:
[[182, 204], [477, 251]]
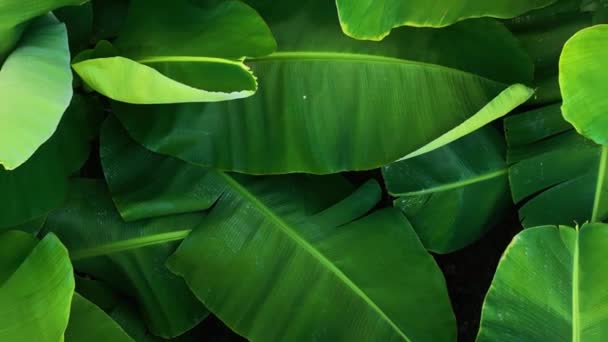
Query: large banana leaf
[[306, 262], [557, 176], [40, 184], [374, 19], [129, 256], [352, 106], [35, 90], [550, 286], [181, 53], [452, 195], [36, 287], [89, 323], [582, 80], [145, 184]]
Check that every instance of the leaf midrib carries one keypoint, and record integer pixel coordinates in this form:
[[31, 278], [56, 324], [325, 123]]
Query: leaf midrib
[[598, 185], [129, 244], [576, 334], [454, 185], [309, 248], [356, 57]]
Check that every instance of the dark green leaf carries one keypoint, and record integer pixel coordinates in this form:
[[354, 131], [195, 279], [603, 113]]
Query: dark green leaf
[[129, 256], [452, 195]]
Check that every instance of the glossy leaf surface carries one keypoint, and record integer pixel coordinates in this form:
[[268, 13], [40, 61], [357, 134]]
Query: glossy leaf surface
[[556, 175], [582, 80], [36, 288], [129, 256], [198, 62], [322, 123], [549, 287], [303, 259], [373, 19], [35, 90], [465, 181]]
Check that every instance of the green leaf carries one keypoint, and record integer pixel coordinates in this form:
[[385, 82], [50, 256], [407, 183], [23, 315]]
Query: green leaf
[[146, 184], [477, 46], [89, 323], [79, 23], [582, 75], [129, 256], [200, 61], [549, 286], [35, 88], [544, 32], [322, 123], [374, 19], [15, 12], [465, 181], [36, 296], [29, 192], [309, 260], [556, 175]]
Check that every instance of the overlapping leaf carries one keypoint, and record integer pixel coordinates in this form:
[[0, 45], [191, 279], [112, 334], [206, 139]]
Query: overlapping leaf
[[129, 256], [373, 19], [354, 107], [40, 185], [185, 52], [452, 195], [549, 286], [145, 184], [89, 323], [35, 90], [582, 80], [557, 176], [36, 287], [303, 259]]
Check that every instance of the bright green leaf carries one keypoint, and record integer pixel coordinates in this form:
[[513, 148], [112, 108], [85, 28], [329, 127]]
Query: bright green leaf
[[35, 90], [310, 261], [549, 286], [89, 323], [35, 299], [374, 19], [582, 79], [181, 53]]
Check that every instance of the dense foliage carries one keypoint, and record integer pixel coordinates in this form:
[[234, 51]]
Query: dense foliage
[[294, 168]]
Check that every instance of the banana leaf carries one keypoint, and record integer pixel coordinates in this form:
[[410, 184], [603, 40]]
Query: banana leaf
[[303, 261], [89, 323], [129, 256], [185, 52], [465, 181], [145, 184], [32, 190], [582, 75], [36, 287], [35, 90], [549, 286], [374, 19], [356, 106], [557, 176]]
